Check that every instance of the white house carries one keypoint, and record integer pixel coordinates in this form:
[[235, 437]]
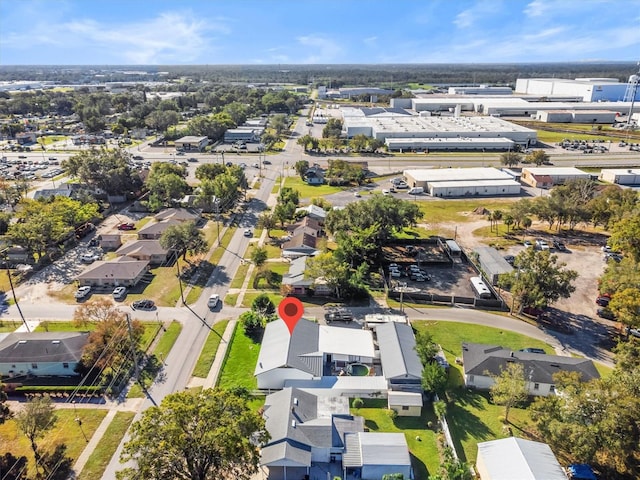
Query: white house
[[41, 354], [515, 458], [401, 365], [482, 362], [310, 352]]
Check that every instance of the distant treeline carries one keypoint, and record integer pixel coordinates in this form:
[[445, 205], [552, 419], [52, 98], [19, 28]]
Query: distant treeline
[[397, 76]]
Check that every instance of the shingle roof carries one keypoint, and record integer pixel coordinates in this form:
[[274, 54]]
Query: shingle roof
[[43, 347], [398, 351], [179, 214], [122, 268], [301, 240], [480, 359], [146, 247], [157, 228], [295, 276]]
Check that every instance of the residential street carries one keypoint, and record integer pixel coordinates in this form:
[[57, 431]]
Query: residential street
[[37, 306]]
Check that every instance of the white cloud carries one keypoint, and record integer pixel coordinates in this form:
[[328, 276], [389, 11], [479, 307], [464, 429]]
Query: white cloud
[[537, 8], [320, 49], [464, 19], [371, 41]]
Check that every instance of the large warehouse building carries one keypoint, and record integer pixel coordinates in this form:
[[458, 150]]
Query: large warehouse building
[[589, 89], [400, 130], [463, 182]]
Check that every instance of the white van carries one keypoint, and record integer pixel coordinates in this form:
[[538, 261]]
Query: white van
[[416, 191]]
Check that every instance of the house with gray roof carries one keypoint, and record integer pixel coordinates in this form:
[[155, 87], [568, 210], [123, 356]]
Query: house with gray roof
[[305, 429], [401, 365], [310, 352], [179, 214], [41, 354], [371, 455], [123, 271], [482, 362], [294, 279], [153, 231], [301, 244], [148, 250], [313, 211]]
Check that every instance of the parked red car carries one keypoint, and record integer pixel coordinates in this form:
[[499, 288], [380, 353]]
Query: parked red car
[[126, 226]]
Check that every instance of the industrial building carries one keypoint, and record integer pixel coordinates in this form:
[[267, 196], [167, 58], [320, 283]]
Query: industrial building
[[480, 90], [547, 177], [492, 264], [191, 143], [401, 131], [324, 92], [461, 182], [621, 176], [577, 116], [589, 89]]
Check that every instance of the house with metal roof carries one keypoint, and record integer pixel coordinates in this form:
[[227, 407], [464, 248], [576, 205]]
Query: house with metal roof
[[371, 455], [481, 363], [311, 351], [41, 354], [305, 429], [516, 458], [294, 279], [401, 365]]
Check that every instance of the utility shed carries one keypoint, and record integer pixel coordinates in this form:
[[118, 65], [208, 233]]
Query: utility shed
[[515, 458], [492, 263], [371, 455]]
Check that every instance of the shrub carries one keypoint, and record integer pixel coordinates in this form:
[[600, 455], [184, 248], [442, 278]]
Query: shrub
[[357, 403]]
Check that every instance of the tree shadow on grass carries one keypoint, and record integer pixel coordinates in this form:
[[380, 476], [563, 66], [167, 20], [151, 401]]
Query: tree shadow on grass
[[465, 425], [371, 425]]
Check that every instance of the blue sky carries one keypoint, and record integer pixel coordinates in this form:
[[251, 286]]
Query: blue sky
[[310, 31]]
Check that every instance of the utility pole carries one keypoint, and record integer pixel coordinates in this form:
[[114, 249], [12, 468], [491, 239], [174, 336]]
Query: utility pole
[[133, 349], [13, 292], [217, 204], [179, 282]]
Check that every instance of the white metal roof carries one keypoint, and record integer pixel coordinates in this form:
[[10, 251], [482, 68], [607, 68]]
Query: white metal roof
[[346, 341], [556, 171], [410, 399], [384, 448], [476, 183], [515, 458], [457, 174]]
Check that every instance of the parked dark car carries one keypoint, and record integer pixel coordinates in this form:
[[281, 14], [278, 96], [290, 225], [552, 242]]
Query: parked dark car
[[532, 350], [338, 315], [561, 247], [126, 226], [603, 300], [143, 305], [606, 313]]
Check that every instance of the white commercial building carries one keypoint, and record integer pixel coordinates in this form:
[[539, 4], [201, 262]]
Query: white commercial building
[[462, 182], [589, 89], [399, 128], [480, 90], [621, 176], [577, 116]]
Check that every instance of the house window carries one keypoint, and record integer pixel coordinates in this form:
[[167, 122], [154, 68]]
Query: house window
[[65, 365], [405, 407], [470, 378], [552, 388], [34, 365], [536, 386]]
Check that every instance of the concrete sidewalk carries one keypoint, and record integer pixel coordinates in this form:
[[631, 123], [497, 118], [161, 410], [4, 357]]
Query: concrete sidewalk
[[93, 443]]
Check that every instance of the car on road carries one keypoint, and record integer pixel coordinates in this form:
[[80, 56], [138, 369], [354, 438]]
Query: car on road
[[357, 194], [603, 300], [527, 244], [229, 164], [248, 232], [256, 165], [338, 315], [138, 157], [143, 305], [510, 259], [243, 165], [266, 162], [214, 298], [633, 331], [119, 293], [127, 226], [180, 153], [89, 257], [192, 159], [82, 292], [385, 191]]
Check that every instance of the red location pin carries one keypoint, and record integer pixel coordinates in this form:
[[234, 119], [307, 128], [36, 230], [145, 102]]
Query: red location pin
[[290, 310]]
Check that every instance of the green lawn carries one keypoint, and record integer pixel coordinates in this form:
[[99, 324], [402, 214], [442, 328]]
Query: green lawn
[[471, 416], [240, 277], [65, 430], [421, 440], [107, 446], [231, 299], [240, 362], [545, 136], [278, 268], [209, 350], [460, 210], [249, 297], [310, 191], [163, 289], [224, 243]]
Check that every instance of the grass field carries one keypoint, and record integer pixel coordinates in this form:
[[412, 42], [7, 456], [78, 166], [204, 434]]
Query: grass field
[[555, 137], [421, 440], [249, 297], [459, 210], [209, 350], [65, 430], [240, 362], [107, 446], [241, 275], [471, 416], [310, 191]]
